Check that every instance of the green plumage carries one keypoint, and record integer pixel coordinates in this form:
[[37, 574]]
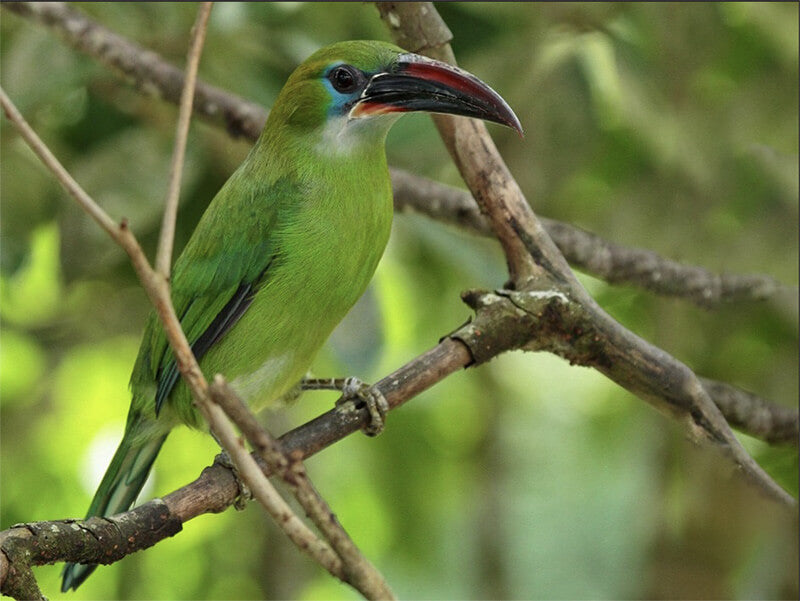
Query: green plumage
[[284, 249], [302, 222]]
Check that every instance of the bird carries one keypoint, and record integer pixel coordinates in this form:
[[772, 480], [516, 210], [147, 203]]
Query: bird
[[286, 246]]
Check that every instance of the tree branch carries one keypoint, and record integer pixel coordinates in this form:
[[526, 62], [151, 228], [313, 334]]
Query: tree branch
[[588, 252], [145, 70], [166, 240], [570, 322], [216, 489], [351, 566], [212, 492], [152, 75], [753, 415]]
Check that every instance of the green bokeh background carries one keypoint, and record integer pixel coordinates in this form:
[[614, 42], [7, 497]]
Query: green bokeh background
[[667, 126]]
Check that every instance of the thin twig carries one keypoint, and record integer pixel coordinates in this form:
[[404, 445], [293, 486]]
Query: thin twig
[[297, 531], [353, 567], [167, 237], [269, 498], [213, 491]]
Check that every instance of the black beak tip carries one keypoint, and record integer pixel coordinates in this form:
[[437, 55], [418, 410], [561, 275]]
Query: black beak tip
[[505, 115], [517, 126]]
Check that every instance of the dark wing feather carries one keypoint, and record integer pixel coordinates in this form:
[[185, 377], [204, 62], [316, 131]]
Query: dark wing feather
[[224, 321], [217, 276]]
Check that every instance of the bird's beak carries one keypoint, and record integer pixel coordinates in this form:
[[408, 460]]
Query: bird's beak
[[416, 83]]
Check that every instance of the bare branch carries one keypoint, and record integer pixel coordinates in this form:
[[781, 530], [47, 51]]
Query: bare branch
[[152, 75], [286, 519], [772, 423], [216, 489], [167, 238], [147, 71], [95, 540], [590, 253], [417, 375], [295, 529]]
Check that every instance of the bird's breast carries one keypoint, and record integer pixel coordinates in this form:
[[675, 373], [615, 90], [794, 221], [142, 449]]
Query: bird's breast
[[346, 222], [326, 256]]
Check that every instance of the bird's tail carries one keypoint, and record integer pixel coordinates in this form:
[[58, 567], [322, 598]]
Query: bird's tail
[[119, 488]]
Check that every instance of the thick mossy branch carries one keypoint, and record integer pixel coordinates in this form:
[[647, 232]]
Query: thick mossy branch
[[96, 540], [548, 320]]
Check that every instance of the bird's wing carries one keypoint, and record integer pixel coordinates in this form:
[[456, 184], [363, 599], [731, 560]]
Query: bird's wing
[[195, 318], [216, 277]]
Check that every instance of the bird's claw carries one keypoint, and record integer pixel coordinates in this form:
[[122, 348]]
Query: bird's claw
[[245, 494], [356, 390]]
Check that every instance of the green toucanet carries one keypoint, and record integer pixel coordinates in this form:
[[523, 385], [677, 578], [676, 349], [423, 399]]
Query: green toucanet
[[288, 244]]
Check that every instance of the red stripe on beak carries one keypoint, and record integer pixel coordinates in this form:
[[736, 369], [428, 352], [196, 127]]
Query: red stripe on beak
[[416, 83]]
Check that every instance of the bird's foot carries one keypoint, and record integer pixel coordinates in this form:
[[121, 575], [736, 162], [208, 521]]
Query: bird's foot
[[354, 390], [245, 494]]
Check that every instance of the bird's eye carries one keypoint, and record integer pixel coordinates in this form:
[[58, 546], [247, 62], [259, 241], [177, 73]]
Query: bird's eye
[[345, 79]]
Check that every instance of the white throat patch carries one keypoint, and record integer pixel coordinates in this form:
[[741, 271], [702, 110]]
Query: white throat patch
[[342, 135]]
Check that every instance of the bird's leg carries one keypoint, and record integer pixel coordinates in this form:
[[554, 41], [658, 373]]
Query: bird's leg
[[224, 460], [353, 389]]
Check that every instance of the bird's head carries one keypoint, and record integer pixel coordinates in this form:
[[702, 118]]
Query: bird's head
[[361, 87]]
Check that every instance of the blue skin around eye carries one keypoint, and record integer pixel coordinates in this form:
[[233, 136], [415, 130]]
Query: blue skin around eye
[[340, 103]]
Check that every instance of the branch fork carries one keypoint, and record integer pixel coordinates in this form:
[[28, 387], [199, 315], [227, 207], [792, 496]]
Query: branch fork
[[585, 333]]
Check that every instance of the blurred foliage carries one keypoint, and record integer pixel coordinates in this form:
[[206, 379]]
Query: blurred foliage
[[667, 126]]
